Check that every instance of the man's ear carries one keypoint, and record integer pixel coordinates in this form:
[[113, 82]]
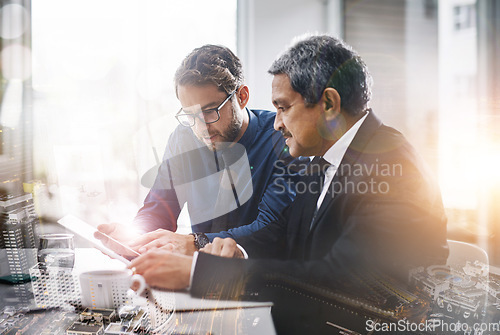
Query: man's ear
[[243, 95], [331, 103], [333, 124]]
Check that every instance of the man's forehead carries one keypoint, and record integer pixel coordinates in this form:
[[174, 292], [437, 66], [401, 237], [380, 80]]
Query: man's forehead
[[197, 88], [282, 89], [207, 95], [281, 79], [192, 109]]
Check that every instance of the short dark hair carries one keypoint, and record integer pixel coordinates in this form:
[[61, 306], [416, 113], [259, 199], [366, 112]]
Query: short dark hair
[[210, 64], [322, 61]]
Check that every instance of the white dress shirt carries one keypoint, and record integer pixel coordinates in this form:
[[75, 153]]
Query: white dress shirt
[[335, 154]]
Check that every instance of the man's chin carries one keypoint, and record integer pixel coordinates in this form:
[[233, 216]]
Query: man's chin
[[218, 142], [293, 151]]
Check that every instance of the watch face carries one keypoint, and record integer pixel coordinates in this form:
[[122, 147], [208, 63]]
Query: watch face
[[202, 240]]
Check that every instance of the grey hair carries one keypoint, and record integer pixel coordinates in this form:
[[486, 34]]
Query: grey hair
[[322, 61]]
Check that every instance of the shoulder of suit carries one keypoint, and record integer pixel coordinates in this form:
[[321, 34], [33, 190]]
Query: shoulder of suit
[[387, 139]]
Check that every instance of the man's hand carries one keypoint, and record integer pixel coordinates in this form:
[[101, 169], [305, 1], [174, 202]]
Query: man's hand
[[164, 239], [120, 233], [225, 247], [164, 269]]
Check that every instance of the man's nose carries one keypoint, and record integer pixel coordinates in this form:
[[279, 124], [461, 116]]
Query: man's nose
[[278, 122]]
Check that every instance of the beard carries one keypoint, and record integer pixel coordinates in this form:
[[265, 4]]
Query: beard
[[228, 135]]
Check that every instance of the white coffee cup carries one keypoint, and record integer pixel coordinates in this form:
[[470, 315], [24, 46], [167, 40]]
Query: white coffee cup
[[109, 288]]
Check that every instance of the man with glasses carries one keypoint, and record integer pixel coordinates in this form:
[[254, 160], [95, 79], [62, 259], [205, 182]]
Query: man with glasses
[[188, 118], [225, 161]]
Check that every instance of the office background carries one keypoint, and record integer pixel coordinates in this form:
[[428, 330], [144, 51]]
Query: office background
[[87, 96]]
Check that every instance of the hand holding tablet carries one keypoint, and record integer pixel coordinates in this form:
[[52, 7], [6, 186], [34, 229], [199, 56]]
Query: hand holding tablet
[[99, 240]]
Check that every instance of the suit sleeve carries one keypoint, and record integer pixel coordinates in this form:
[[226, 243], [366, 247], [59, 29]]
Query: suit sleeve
[[268, 242]]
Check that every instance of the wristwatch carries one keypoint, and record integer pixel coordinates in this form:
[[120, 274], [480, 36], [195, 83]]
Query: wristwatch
[[200, 240]]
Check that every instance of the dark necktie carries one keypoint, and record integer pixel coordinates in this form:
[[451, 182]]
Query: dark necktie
[[315, 179]]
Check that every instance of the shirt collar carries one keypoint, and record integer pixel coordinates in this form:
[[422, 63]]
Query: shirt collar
[[337, 151]]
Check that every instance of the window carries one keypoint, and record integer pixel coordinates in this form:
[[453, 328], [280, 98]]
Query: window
[[464, 17], [104, 100]]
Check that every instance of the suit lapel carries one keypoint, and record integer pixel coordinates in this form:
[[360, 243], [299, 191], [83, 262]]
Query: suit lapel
[[355, 149]]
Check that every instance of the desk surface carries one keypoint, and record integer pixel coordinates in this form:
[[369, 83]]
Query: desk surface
[[190, 315]]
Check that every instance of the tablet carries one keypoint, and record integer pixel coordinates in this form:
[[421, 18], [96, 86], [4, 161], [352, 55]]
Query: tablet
[[85, 230]]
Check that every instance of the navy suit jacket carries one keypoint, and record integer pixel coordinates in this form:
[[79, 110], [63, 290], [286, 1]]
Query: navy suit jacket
[[382, 216]]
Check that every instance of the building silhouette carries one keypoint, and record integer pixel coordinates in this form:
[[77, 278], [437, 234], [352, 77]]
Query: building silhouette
[[18, 236]]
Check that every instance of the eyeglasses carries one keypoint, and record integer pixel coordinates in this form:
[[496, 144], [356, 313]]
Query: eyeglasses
[[207, 116]]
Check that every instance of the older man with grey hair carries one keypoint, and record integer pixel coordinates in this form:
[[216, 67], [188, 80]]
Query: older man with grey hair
[[370, 211]]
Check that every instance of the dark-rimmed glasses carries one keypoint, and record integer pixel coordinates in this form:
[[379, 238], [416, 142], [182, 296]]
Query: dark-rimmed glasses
[[207, 116]]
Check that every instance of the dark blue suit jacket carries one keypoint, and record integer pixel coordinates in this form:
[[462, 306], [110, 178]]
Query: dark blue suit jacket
[[383, 215]]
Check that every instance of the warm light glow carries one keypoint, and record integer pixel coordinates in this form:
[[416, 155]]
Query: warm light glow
[[458, 112], [469, 164], [488, 164]]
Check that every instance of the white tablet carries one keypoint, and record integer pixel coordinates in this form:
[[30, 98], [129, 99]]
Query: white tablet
[[85, 230]]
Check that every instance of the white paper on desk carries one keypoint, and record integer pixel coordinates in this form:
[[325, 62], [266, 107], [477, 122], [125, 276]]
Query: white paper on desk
[[185, 302]]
